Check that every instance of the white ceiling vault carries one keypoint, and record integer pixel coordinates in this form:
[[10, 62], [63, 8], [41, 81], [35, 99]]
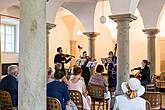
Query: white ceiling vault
[[84, 10]]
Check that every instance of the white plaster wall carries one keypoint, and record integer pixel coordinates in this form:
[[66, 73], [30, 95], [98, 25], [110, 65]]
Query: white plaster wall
[[10, 58], [84, 12], [80, 38], [52, 7], [58, 37], [150, 11], [138, 42], [104, 43]]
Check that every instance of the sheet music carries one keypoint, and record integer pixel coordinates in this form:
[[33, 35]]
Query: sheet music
[[91, 64], [109, 60], [106, 60], [80, 62]]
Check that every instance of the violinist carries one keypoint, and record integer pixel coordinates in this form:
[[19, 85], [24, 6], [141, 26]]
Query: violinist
[[145, 72], [62, 58], [85, 70]]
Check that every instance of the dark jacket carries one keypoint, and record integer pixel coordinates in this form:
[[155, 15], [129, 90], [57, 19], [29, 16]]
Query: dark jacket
[[10, 84], [61, 59], [60, 91], [145, 72]]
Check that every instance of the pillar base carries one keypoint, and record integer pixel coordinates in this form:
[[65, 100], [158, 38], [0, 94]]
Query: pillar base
[[118, 92]]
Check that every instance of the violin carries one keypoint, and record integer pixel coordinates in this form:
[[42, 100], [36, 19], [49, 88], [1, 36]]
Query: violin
[[67, 55]]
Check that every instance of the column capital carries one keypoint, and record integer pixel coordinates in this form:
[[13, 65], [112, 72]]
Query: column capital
[[91, 34], [49, 26], [151, 32], [123, 17]]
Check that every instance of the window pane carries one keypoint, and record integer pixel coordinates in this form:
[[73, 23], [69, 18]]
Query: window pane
[[8, 38], [8, 29], [9, 47]]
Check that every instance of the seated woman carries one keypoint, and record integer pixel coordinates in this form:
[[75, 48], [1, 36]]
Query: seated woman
[[98, 79], [131, 99], [145, 72], [59, 90], [76, 82]]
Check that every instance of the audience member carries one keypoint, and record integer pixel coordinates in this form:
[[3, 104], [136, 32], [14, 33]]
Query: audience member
[[58, 66], [10, 83], [50, 78], [98, 79], [59, 90], [76, 82], [131, 99]]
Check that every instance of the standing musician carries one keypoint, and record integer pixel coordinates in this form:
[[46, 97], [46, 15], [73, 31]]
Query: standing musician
[[145, 72], [85, 73], [112, 70], [62, 58]]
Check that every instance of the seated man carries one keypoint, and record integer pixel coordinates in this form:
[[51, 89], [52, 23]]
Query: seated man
[[10, 83], [59, 90]]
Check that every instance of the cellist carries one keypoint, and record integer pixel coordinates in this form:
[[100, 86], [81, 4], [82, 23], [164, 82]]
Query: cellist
[[145, 72]]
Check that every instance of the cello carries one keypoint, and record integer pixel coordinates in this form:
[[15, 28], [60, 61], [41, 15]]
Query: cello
[[137, 75]]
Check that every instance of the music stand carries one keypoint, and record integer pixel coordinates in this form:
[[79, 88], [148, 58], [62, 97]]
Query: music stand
[[80, 62], [91, 64], [106, 60]]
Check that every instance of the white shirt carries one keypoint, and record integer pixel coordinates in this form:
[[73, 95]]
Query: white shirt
[[122, 102]]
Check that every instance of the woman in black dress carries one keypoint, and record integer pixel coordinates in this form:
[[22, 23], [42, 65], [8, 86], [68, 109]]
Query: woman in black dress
[[145, 72]]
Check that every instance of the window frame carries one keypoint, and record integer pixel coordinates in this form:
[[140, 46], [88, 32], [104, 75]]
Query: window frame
[[5, 34]]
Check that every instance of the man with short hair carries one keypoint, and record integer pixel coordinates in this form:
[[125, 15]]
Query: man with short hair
[[61, 58], [10, 84]]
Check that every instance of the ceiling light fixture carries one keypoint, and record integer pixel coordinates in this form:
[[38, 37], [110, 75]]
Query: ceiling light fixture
[[102, 18]]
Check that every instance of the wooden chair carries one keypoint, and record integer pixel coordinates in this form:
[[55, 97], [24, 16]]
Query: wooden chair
[[53, 104], [154, 98], [152, 85], [148, 105], [97, 94], [76, 97], [6, 101], [160, 83]]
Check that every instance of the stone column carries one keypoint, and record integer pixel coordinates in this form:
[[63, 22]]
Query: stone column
[[123, 70], [73, 51], [91, 37], [151, 34], [49, 26], [32, 56]]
